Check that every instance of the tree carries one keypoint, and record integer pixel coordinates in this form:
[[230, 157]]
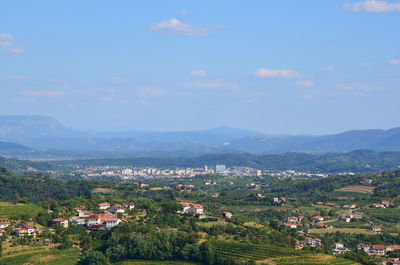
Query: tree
[[94, 258]]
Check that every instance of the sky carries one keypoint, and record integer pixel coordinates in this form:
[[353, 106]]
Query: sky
[[287, 66]]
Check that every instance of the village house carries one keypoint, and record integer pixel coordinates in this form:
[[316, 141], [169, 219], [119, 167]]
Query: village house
[[117, 209], [25, 230], [317, 219], [338, 248], [376, 229], [314, 242], [227, 214], [103, 220], [215, 195], [294, 226], [377, 250], [4, 224], [387, 204], [319, 225], [103, 206], [60, 221], [129, 206], [2, 232], [378, 205], [185, 207], [84, 214], [393, 262], [78, 221], [196, 209]]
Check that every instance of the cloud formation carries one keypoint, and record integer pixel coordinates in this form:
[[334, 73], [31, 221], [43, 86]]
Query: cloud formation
[[263, 72], [306, 83], [198, 73], [46, 94], [176, 27], [7, 44], [372, 6], [17, 77], [394, 62]]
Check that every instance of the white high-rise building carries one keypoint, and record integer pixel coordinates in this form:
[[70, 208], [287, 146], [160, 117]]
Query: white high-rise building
[[220, 168]]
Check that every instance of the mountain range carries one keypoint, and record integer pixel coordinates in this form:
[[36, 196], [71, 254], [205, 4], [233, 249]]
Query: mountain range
[[45, 137]]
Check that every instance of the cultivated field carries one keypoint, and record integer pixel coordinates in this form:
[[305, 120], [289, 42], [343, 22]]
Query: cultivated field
[[342, 230], [357, 189], [35, 255], [266, 254]]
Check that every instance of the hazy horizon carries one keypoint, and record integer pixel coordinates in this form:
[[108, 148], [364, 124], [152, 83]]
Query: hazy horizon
[[287, 67]]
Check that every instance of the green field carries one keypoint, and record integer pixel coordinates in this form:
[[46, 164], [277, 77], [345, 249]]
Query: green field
[[8, 210], [266, 254], [387, 215]]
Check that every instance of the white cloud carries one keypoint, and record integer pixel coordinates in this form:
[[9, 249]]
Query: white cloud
[[222, 85], [394, 62], [17, 77], [48, 94], [7, 44], [329, 68], [15, 50], [372, 6], [152, 91], [6, 36], [176, 27], [306, 83], [198, 73], [277, 73], [358, 87], [366, 64]]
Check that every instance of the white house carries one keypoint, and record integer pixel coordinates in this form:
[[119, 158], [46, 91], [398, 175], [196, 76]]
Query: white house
[[103, 206]]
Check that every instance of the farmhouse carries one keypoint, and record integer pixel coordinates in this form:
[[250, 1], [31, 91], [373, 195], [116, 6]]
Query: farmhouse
[[2, 232], [4, 224], [338, 248], [103, 206], [98, 220], [377, 250], [196, 209], [60, 221], [314, 242], [25, 230], [317, 218], [227, 214], [117, 209], [129, 205]]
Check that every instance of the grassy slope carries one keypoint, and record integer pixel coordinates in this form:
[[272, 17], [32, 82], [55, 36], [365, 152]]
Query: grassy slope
[[8, 210]]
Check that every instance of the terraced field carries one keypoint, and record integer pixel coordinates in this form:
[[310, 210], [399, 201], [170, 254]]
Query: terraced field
[[357, 189], [43, 255], [266, 254]]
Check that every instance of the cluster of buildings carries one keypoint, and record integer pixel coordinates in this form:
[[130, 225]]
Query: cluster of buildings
[[383, 204], [108, 218], [294, 173], [379, 250], [192, 208]]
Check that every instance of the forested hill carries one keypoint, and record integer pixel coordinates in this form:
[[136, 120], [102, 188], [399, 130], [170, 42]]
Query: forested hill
[[39, 188], [362, 161]]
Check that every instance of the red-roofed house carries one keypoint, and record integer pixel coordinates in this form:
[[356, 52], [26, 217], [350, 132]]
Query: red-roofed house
[[2, 232], [103, 206], [318, 218], [377, 250], [60, 221], [4, 224], [103, 220], [196, 209]]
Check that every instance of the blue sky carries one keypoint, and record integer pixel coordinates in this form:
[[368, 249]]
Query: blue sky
[[288, 66]]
